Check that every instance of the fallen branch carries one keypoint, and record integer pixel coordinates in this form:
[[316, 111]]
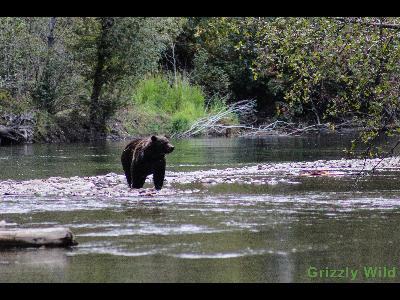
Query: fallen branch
[[369, 24], [242, 109], [245, 109], [272, 128], [308, 128]]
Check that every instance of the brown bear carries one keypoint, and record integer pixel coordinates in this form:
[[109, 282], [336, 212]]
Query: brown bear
[[145, 156]]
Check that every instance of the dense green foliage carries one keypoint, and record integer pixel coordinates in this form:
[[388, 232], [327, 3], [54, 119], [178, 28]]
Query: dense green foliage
[[333, 70], [82, 75]]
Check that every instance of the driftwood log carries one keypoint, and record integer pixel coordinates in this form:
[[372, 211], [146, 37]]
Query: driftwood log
[[10, 136], [37, 237], [17, 128]]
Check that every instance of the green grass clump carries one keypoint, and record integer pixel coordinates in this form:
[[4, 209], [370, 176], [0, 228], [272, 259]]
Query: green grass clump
[[178, 104], [163, 104]]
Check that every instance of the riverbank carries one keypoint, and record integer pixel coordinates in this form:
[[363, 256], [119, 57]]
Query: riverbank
[[72, 126]]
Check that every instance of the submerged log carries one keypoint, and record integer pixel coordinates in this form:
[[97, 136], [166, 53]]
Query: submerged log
[[37, 237]]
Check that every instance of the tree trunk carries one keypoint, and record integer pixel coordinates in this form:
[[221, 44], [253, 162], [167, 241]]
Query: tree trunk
[[44, 93], [50, 37], [174, 63], [97, 121]]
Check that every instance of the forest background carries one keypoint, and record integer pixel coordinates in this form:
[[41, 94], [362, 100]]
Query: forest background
[[68, 79]]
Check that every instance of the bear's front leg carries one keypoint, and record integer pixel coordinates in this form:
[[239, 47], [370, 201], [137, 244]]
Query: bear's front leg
[[159, 174], [138, 182]]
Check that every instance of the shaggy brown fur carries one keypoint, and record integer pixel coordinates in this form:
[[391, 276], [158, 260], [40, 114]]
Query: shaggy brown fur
[[142, 157]]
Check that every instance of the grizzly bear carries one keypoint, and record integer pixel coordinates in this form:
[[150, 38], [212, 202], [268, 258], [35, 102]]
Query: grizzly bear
[[145, 156]]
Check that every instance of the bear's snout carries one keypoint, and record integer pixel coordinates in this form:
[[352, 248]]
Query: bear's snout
[[170, 149]]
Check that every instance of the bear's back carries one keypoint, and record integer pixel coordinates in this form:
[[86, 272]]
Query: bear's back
[[133, 144]]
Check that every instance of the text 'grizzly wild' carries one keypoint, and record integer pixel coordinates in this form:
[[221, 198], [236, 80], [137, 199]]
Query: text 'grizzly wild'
[[143, 157]]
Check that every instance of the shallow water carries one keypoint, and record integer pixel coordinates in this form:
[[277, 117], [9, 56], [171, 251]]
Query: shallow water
[[220, 232]]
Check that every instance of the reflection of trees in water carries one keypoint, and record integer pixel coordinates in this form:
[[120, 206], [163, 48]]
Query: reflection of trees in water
[[283, 148], [16, 161], [33, 265], [104, 158], [187, 152], [205, 151], [65, 160], [101, 152], [348, 239], [46, 160]]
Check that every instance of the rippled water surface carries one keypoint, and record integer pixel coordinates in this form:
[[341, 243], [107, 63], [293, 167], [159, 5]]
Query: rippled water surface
[[213, 233]]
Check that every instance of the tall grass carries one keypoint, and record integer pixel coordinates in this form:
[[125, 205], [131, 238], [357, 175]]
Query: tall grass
[[179, 103], [165, 105]]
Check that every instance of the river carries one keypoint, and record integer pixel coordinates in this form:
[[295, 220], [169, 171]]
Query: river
[[222, 232]]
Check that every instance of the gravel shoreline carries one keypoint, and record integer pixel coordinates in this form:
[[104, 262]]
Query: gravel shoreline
[[114, 185]]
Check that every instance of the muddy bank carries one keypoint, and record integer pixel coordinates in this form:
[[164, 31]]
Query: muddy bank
[[114, 185]]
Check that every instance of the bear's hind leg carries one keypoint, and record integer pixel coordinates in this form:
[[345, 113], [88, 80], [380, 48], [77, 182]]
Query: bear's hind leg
[[126, 160], [128, 178]]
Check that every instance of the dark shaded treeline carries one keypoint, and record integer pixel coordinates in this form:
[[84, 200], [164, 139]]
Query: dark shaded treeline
[[77, 74]]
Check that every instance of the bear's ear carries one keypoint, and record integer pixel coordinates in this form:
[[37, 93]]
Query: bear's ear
[[153, 138], [167, 136]]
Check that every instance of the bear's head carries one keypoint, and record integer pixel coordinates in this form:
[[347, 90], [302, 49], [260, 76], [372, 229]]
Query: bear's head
[[160, 144]]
